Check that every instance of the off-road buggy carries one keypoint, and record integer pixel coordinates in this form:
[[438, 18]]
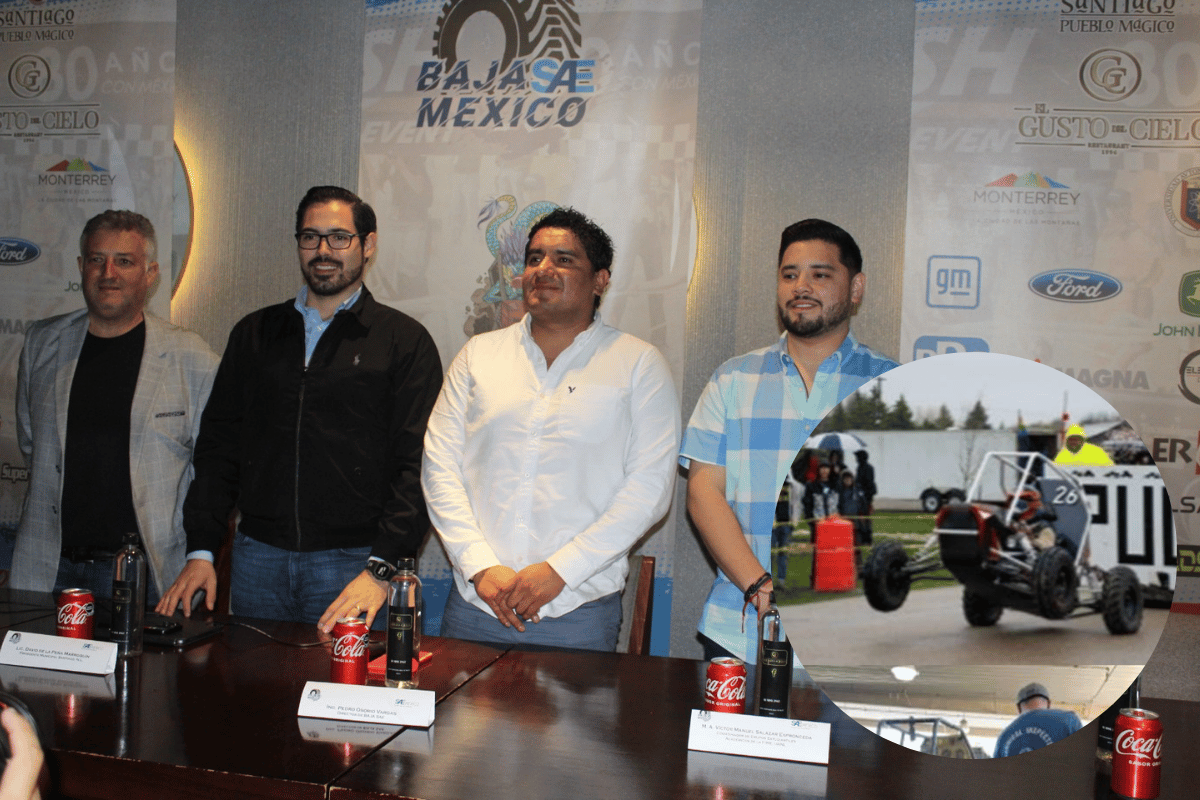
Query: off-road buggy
[[1019, 541]]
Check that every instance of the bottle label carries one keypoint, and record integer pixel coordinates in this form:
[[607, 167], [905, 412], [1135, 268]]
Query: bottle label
[[123, 616], [775, 681], [401, 623]]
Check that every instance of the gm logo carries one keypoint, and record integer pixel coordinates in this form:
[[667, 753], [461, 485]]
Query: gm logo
[[1075, 285], [953, 282], [16, 252], [926, 346], [1189, 294]]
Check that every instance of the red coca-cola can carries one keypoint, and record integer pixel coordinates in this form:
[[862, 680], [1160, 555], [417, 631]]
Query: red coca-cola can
[[76, 613], [1137, 753], [349, 662], [725, 686]]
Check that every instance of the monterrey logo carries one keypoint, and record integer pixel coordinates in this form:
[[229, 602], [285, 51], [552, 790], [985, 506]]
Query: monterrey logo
[[16, 252], [1075, 285]]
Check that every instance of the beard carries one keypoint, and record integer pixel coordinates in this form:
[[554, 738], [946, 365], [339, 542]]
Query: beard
[[335, 282], [829, 319]]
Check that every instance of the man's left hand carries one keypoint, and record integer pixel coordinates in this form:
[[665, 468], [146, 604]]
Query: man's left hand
[[534, 587], [364, 593]]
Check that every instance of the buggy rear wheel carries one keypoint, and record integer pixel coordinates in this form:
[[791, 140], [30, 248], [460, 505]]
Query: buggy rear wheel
[[884, 581], [1122, 601], [980, 611]]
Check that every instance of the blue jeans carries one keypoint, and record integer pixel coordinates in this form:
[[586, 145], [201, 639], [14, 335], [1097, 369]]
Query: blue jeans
[[781, 535], [270, 583], [592, 626], [97, 576]]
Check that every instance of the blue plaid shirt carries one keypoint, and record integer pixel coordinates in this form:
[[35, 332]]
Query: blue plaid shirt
[[751, 419]]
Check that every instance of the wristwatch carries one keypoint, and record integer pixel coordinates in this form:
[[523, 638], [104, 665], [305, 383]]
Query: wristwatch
[[381, 569]]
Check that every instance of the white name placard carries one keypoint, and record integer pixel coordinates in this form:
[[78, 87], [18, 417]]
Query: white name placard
[[380, 704], [24, 649], [760, 737]]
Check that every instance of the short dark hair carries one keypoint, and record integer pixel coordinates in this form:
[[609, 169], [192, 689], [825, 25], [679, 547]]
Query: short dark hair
[[596, 244], [364, 215], [807, 230], [111, 220]]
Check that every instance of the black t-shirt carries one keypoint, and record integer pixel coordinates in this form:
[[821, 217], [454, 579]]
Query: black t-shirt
[[97, 500]]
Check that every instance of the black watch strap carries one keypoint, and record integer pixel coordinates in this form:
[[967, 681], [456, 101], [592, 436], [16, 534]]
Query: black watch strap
[[381, 569]]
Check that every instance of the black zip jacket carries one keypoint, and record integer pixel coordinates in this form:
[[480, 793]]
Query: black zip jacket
[[323, 457]]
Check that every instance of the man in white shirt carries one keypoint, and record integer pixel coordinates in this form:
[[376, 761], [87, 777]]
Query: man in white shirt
[[549, 453]]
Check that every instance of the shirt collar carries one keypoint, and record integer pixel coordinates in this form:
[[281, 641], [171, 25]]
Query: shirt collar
[[302, 306], [832, 363]]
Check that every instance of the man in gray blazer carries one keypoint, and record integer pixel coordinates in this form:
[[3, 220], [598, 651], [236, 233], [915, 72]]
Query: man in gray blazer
[[108, 407]]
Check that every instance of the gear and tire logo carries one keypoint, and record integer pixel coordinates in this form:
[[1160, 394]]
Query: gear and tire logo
[[532, 28]]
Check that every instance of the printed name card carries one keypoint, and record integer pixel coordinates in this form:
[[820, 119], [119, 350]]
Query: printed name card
[[380, 704], [24, 649], [759, 737]]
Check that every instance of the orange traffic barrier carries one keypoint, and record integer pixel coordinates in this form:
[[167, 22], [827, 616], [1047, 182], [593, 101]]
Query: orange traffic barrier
[[833, 556]]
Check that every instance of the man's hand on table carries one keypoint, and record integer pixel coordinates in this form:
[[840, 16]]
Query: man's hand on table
[[196, 575], [364, 593]]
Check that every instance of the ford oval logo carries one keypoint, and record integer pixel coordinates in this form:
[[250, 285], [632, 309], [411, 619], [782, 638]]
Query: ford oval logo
[[15, 252], [1075, 285]]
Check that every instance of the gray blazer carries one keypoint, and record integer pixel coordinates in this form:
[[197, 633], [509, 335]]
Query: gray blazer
[[173, 384]]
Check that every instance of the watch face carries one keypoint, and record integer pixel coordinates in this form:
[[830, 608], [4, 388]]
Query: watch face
[[381, 570]]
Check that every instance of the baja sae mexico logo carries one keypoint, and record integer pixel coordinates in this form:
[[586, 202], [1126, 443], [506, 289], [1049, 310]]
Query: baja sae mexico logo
[[537, 79]]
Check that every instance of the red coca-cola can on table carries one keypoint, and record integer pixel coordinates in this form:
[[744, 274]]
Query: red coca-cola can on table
[[76, 613], [725, 686], [349, 662], [1137, 753]]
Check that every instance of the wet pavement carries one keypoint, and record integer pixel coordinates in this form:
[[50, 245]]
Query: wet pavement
[[930, 629]]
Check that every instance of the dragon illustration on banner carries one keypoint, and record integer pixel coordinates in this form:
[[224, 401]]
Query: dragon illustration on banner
[[499, 303]]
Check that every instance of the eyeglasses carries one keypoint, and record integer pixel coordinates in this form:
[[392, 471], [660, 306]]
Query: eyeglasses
[[310, 240]]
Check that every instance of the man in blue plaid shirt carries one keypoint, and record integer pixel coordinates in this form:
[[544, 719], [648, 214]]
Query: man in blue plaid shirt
[[757, 411]]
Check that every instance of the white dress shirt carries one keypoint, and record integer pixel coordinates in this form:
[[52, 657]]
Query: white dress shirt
[[569, 464]]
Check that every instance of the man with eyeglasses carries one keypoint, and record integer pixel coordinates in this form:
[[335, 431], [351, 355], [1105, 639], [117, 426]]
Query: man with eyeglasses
[[314, 433], [108, 406]]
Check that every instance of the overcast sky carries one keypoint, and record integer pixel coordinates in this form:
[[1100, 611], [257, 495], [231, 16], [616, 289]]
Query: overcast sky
[[1005, 384]]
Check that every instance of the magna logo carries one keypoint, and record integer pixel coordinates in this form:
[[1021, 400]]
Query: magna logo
[[1075, 285], [15, 252]]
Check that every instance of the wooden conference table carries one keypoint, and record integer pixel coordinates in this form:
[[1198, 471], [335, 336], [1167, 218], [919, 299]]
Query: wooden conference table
[[219, 720]]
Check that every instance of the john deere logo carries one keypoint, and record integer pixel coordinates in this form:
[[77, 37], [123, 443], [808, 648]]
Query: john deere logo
[[1189, 294]]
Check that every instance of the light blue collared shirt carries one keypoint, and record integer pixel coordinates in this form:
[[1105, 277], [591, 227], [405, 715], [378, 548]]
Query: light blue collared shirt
[[314, 326]]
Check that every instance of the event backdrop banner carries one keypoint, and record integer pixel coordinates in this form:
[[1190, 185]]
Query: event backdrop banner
[[86, 119], [1054, 177], [480, 116]]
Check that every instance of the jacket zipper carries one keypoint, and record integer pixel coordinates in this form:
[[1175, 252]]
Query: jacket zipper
[[296, 488]]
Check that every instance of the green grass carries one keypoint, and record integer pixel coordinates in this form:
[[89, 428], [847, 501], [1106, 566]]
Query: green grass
[[911, 528]]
